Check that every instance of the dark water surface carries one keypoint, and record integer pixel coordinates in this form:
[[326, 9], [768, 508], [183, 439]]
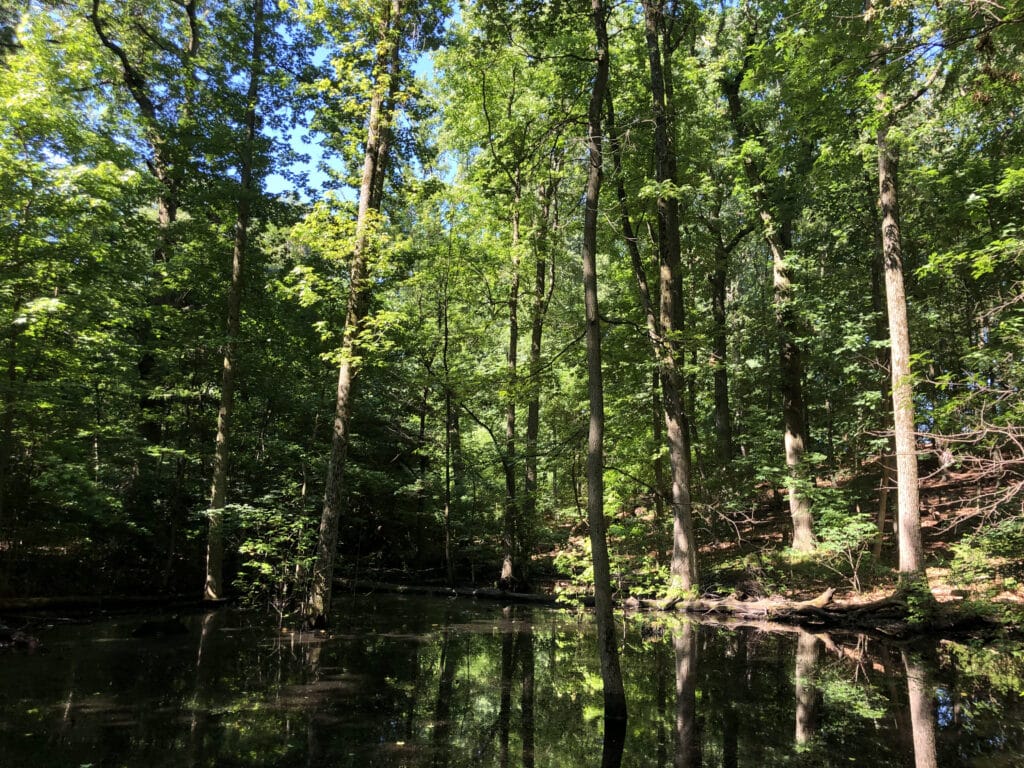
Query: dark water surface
[[431, 682]]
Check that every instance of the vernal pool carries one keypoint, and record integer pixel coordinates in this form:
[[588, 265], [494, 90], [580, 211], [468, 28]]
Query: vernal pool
[[433, 682]]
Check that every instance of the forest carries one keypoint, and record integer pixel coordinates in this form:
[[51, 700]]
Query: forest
[[665, 300]]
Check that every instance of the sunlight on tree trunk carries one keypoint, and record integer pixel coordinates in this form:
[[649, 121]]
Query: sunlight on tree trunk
[[907, 502], [386, 69]]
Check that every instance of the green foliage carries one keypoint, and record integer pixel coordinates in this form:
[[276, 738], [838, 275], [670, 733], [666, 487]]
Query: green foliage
[[846, 695], [990, 559], [844, 534], [276, 542]]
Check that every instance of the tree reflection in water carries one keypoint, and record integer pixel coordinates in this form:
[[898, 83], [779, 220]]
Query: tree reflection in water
[[806, 692], [684, 642], [439, 684], [922, 712]]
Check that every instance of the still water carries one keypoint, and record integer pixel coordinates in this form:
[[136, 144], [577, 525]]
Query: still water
[[446, 683]]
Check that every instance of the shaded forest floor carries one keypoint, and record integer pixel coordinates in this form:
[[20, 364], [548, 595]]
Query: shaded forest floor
[[746, 557]]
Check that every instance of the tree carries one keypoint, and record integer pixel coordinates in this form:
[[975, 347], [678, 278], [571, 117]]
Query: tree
[[614, 693], [669, 351], [246, 191], [777, 230], [391, 28]]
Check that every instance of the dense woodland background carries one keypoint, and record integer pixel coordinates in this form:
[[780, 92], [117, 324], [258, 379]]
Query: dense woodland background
[[168, 253]]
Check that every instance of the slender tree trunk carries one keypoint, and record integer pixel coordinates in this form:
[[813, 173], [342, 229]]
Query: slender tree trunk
[[887, 456], [793, 409], [318, 601], [450, 421], [218, 492], [509, 525], [538, 312], [7, 532], [908, 506], [611, 674], [719, 350], [777, 237]]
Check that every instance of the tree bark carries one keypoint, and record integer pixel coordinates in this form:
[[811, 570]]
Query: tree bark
[[719, 349], [777, 237], [218, 492], [386, 66], [907, 501], [611, 674], [509, 565], [683, 568], [538, 313]]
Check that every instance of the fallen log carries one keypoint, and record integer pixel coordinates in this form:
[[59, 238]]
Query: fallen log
[[480, 593]]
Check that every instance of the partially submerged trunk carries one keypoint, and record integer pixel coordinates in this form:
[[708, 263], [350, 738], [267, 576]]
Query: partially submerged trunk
[[214, 588], [318, 600], [611, 674]]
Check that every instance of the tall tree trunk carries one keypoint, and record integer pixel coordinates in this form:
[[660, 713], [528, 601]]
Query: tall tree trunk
[[907, 502], [538, 312], [719, 350], [611, 674], [509, 523], [450, 418], [793, 409], [777, 237], [684, 552], [887, 456], [7, 532], [318, 601], [222, 453]]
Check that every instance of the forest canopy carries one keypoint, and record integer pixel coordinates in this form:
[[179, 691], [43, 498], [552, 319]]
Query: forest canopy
[[223, 361]]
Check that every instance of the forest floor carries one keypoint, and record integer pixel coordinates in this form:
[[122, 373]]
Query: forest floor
[[746, 565]]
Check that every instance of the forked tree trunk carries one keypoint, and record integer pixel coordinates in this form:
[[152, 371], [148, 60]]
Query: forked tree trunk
[[318, 601], [214, 588], [611, 674]]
